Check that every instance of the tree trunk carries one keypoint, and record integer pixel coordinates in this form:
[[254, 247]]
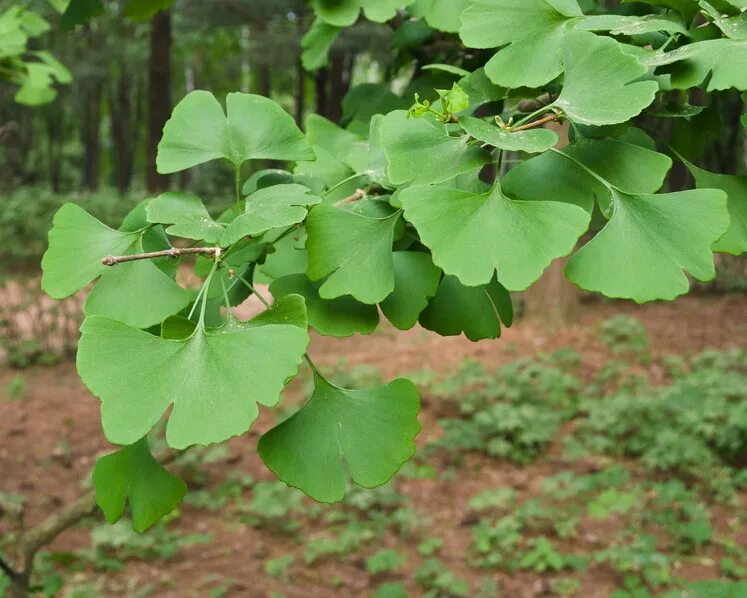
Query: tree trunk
[[320, 91], [159, 95], [54, 147], [553, 299], [300, 99], [123, 129], [339, 83], [90, 132]]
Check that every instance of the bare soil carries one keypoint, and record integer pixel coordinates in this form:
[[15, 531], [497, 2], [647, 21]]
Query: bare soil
[[52, 436]]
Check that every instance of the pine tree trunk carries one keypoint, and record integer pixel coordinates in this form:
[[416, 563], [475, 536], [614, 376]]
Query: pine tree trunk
[[123, 129], [159, 95]]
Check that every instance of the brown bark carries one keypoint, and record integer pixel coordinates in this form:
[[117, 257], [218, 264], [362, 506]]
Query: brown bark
[[123, 129], [159, 95], [339, 83], [553, 299], [320, 91], [300, 100], [90, 134]]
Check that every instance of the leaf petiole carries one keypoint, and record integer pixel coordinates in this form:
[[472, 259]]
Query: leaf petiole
[[249, 286]]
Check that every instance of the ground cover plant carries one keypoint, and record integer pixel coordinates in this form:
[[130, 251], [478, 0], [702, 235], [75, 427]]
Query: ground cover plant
[[430, 207], [583, 513]]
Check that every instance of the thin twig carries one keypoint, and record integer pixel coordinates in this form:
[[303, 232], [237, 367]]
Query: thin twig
[[537, 123], [41, 534], [8, 570], [358, 195], [113, 260]]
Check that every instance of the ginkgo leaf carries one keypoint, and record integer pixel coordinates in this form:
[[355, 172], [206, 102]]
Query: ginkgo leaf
[[214, 380], [343, 13], [724, 59], [289, 309], [79, 12], [420, 150], [136, 293], [531, 30], [367, 99], [650, 242], [552, 177], [269, 208], [531, 141], [328, 169], [377, 163], [734, 240], [364, 434], [354, 251], [132, 475], [289, 257], [416, 279], [581, 172], [632, 25], [475, 311], [732, 26], [601, 84], [142, 10], [472, 235], [187, 216], [440, 14], [255, 128], [77, 244], [339, 317], [317, 43], [480, 90], [349, 148]]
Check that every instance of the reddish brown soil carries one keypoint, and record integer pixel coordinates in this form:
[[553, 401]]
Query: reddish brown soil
[[51, 437]]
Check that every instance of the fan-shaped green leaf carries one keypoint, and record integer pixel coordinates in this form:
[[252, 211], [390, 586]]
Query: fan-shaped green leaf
[[187, 216], [589, 169], [136, 293], [340, 317], [325, 167], [142, 10], [420, 150], [255, 128], [732, 26], [632, 25], [343, 13], [349, 148], [585, 171], [354, 251], [416, 279], [475, 311], [531, 30], [132, 474], [367, 433], [650, 242], [317, 43], [79, 12], [735, 187], [268, 208], [724, 59], [600, 85], [531, 141], [214, 380], [440, 14], [77, 244], [472, 235]]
